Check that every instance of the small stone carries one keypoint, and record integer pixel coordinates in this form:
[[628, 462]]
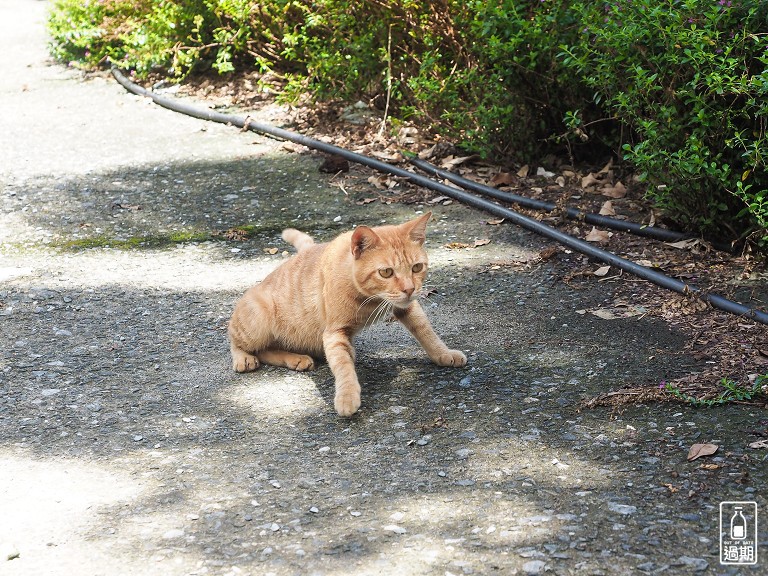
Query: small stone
[[534, 567], [355, 513], [698, 564], [314, 510], [424, 440], [621, 508], [63, 333], [172, 534], [466, 482], [465, 382], [325, 449], [50, 391], [397, 516], [395, 528], [274, 526], [463, 453], [193, 516]]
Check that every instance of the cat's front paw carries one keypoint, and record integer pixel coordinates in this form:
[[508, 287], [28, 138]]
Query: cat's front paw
[[455, 358], [347, 403], [244, 362]]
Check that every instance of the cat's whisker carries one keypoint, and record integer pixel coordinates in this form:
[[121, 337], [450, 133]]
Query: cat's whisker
[[366, 301], [382, 311]]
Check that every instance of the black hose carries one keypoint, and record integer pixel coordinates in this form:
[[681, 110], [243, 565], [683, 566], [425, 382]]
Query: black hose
[[572, 213], [470, 199]]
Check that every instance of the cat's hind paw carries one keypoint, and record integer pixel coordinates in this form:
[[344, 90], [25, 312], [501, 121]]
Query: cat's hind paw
[[303, 363], [455, 358]]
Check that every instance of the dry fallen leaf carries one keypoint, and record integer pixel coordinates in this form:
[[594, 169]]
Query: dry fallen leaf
[[699, 450], [270, 250], [452, 161], [365, 201], [455, 245], [503, 179], [607, 209], [618, 190], [378, 181], [597, 235], [759, 444], [495, 222], [607, 167], [523, 172], [602, 271], [391, 156], [589, 180], [684, 244], [548, 253], [461, 245]]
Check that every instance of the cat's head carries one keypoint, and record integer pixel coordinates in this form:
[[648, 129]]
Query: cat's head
[[390, 261]]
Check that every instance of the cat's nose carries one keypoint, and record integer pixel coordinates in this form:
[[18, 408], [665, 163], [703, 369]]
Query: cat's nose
[[408, 292]]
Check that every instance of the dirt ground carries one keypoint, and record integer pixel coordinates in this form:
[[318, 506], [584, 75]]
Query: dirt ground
[[129, 446]]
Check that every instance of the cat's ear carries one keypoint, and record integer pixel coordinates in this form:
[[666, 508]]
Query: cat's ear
[[417, 229], [363, 238]]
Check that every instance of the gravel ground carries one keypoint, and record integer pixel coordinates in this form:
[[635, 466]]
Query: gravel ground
[[128, 446]]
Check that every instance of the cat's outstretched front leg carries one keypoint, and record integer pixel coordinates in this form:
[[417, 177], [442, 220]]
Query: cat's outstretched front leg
[[341, 359], [417, 323]]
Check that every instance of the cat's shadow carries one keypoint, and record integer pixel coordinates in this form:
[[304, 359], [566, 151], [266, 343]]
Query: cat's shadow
[[381, 378]]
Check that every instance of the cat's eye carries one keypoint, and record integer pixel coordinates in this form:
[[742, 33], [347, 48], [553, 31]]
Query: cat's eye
[[386, 272], [418, 267]]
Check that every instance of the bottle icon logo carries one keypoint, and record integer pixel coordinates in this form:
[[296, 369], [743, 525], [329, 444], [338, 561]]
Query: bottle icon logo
[[738, 524], [738, 533]]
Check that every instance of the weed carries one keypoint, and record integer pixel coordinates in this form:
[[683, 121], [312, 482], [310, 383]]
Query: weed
[[732, 391]]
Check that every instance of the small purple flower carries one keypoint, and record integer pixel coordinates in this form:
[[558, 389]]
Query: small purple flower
[[662, 384]]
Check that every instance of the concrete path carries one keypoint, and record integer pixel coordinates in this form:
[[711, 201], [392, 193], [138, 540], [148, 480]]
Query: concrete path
[[128, 446]]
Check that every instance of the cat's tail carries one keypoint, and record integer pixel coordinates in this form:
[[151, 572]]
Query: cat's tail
[[299, 240]]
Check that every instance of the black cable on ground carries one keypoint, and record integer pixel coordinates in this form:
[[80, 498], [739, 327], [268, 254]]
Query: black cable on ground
[[572, 213], [470, 199]]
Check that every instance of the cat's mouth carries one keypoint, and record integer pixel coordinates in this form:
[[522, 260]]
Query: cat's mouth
[[402, 302]]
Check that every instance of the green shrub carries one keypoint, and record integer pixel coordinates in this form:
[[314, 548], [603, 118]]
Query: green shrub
[[679, 88], [172, 37], [689, 80]]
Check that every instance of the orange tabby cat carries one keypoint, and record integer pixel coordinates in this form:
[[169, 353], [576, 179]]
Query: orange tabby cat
[[314, 303]]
